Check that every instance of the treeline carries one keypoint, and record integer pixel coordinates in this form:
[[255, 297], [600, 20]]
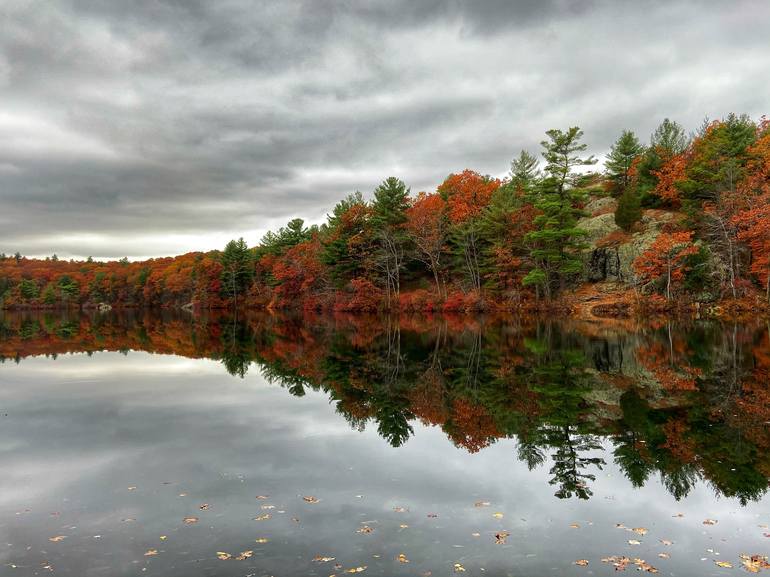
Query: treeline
[[477, 241]]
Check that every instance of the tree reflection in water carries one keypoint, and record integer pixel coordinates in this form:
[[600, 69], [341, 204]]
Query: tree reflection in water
[[688, 401]]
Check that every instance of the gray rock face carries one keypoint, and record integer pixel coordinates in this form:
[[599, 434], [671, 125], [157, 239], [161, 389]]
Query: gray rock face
[[615, 263]]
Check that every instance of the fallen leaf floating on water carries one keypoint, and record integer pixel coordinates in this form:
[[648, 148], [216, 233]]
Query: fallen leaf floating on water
[[619, 562], [57, 538], [204, 507], [666, 541], [574, 526], [262, 497], [402, 558], [497, 515], [222, 556], [501, 537], [400, 509], [321, 559], [267, 507], [132, 488], [481, 504], [360, 569], [183, 494], [664, 555], [620, 526], [640, 530], [263, 517], [679, 515], [475, 534], [163, 537], [754, 563], [365, 529], [432, 516], [634, 542], [582, 562], [710, 522], [151, 553], [262, 540], [190, 520], [724, 564], [244, 555], [310, 499], [459, 568], [403, 526]]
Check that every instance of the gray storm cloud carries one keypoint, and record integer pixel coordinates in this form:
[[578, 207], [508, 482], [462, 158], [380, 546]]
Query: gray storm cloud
[[156, 127]]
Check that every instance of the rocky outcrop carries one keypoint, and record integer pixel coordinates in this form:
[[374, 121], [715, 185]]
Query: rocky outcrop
[[613, 261]]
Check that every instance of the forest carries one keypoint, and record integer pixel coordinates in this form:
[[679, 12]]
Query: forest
[[681, 221]]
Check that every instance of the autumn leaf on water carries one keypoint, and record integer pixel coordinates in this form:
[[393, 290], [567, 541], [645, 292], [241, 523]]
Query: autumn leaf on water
[[640, 530], [432, 516], [754, 563], [163, 537], [310, 499], [402, 558], [244, 555], [261, 540], [190, 520], [459, 568], [267, 507], [619, 562], [262, 497], [57, 538], [400, 509], [365, 529], [263, 517], [501, 537], [360, 569], [403, 526], [710, 522], [664, 555], [151, 553], [724, 564], [221, 555], [497, 515], [582, 562], [574, 526], [322, 559], [666, 541], [475, 534], [482, 504], [132, 488], [634, 542], [204, 507]]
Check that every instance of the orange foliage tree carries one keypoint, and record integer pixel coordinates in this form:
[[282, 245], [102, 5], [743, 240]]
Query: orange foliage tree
[[665, 259]]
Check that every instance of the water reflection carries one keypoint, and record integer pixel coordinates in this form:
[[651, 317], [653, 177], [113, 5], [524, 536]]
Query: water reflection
[[687, 401]]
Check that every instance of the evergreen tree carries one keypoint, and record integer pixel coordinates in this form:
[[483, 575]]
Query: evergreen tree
[[629, 210], [620, 158], [347, 248], [391, 200], [524, 171], [556, 243], [237, 268]]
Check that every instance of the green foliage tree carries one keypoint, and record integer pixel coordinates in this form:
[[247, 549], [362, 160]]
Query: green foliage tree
[[622, 154], [237, 268], [524, 171], [668, 140], [388, 219], [629, 209], [556, 242], [28, 289]]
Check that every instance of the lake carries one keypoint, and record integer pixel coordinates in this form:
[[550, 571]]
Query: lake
[[138, 443]]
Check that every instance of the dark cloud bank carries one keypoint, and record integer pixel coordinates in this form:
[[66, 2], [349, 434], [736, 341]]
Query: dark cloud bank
[[156, 127]]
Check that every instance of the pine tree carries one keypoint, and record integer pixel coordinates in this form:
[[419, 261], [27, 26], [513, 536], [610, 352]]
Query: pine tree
[[629, 210], [620, 159], [524, 171], [237, 268], [391, 200], [556, 243]]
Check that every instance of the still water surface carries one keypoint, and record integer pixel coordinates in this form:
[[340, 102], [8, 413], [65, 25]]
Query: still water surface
[[419, 446]]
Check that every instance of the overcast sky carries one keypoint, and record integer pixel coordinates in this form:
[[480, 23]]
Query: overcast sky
[[156, 127]]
